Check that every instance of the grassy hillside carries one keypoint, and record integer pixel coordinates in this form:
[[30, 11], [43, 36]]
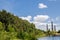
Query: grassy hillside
[[14, 28]]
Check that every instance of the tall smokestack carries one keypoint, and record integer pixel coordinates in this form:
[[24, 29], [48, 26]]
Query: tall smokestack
[[52, 25], [47, 27]]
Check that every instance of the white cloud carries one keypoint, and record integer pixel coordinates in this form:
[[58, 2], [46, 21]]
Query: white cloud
[[40, 21], [43, 25], [41, 5], [27, 18], [37, 20], [41, 18]]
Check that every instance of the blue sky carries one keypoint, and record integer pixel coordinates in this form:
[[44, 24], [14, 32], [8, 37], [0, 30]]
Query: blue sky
[[30, 7], [33, 9]]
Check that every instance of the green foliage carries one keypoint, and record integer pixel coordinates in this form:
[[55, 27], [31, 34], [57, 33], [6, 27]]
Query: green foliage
[[59, 31], [10, 28], [7, 35], [1, 26], [14, 28], [50, 33]]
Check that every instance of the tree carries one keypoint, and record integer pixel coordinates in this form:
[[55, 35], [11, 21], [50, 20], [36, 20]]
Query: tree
[[59, 31], [1, 26]]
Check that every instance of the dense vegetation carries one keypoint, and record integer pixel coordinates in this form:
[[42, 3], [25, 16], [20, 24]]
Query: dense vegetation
[[14, 28]]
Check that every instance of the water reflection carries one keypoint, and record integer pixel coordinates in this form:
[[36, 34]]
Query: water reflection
[[50, 38]]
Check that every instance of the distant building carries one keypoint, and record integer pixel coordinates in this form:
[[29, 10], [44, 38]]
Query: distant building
[[54, 27], [51, 25], [47, 27]]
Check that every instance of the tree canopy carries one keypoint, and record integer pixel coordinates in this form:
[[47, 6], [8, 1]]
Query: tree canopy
[[12, 27]]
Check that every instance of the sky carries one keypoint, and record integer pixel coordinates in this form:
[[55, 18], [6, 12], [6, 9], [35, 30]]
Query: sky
[[39, 12]]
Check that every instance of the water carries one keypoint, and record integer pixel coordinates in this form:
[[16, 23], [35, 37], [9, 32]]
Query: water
[[50, 38]]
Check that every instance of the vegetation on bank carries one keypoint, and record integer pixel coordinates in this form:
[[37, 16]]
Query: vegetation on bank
[[14, 28], [52, 33]]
